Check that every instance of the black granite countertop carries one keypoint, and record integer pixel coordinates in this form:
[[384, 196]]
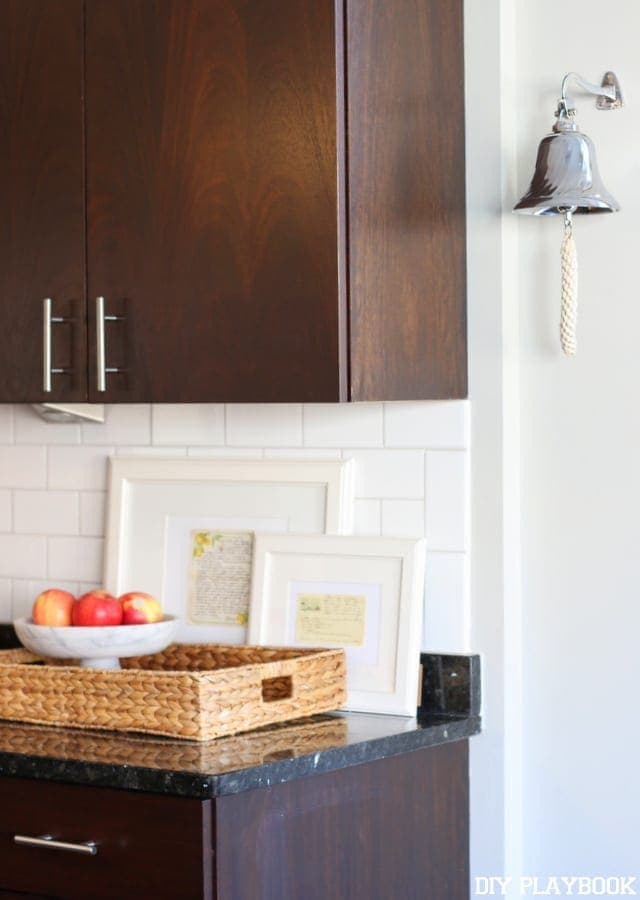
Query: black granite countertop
[[449, 712]]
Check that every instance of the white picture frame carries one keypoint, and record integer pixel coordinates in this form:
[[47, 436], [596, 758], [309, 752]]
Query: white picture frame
[[376, 585], [155, 503]]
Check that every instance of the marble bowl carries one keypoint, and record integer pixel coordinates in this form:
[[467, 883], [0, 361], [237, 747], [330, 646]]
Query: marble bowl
[[96, 647]]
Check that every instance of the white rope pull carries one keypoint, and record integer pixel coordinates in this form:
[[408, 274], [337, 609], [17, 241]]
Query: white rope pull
[[569, 309]]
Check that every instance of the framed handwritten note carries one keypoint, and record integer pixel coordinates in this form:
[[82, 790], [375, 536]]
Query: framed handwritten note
[[364, 594], [220, 577], [331, 618], [157, 503]]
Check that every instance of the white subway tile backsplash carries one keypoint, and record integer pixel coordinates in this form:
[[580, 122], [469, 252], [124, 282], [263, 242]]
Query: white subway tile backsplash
[[6, 423], [367, 517], [388, 473], [23, 556], [444, 424], [446, 500], [22, 466], [302, 453], [6, 516], [226, 452], [126, 423], [188, 424], [79, 468], [92, 513], [264, 425], [151, 451], [46, 512], [403, 518], [446, 622], [77, 558], [353, 424], [5, 600], [410, 470], [30, 428]]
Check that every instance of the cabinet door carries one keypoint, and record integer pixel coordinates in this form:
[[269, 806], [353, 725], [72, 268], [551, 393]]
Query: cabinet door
[[212, 199], [41, 185]]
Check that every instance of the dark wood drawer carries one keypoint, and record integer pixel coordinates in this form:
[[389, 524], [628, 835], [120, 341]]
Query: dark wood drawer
[[147, 845]]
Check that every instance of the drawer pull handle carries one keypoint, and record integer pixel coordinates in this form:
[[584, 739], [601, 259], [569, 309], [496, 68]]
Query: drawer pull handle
[[88, 848]]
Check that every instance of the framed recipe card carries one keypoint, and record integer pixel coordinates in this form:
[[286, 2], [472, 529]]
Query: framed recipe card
[[183, 530], [361, 593]]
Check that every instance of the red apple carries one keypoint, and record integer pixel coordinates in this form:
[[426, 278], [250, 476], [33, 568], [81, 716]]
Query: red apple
[[139, 608], [96, 608], [53, 607]]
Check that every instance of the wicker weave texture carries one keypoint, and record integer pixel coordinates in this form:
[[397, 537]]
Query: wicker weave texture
[[275, 742], [192, 691]]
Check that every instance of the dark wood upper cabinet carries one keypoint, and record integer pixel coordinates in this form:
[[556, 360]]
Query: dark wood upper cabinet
[[212, 197], [41, 198], [274, 199]]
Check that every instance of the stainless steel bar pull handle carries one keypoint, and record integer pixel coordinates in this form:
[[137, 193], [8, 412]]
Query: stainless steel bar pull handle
[[46, 344], [87, 848], [47, 354], [101, 346]]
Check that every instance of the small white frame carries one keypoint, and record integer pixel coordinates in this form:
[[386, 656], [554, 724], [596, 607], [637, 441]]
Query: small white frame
[[383, 674], [146, 494]]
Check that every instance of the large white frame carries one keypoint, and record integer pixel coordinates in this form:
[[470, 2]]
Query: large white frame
[[389, 570], [136, 481]]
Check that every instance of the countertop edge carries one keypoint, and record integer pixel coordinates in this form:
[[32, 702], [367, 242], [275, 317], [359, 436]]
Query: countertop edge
[[207, 787]]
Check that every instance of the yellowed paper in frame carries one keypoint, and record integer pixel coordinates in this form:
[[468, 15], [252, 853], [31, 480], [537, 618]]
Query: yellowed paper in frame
[[331, 619], [220, 577]]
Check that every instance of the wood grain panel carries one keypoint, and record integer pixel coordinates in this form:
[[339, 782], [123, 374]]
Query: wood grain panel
[[406, 177], [148, 845], [396, 828], [41, 185], [212, 195]]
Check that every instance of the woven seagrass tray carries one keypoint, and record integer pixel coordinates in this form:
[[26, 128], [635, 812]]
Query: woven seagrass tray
[[192, 691]]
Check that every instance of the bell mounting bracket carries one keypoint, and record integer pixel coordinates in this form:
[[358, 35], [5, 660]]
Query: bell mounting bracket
[[608, 92]]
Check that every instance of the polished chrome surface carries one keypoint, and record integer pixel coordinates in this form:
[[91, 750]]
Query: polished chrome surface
[[46, 345], [599, 90], [566, 176], [47, 321], [608, 92], [87, 848], [101, 347], [610, 80]]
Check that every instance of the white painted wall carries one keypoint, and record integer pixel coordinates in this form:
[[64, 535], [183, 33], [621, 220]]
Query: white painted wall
[[493, 333], [580, 442], [411, 481], [554, 576]]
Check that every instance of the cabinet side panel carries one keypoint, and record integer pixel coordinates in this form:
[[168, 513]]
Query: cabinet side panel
[[395, 828], [42, 191], [212, 198], [406, 199]]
